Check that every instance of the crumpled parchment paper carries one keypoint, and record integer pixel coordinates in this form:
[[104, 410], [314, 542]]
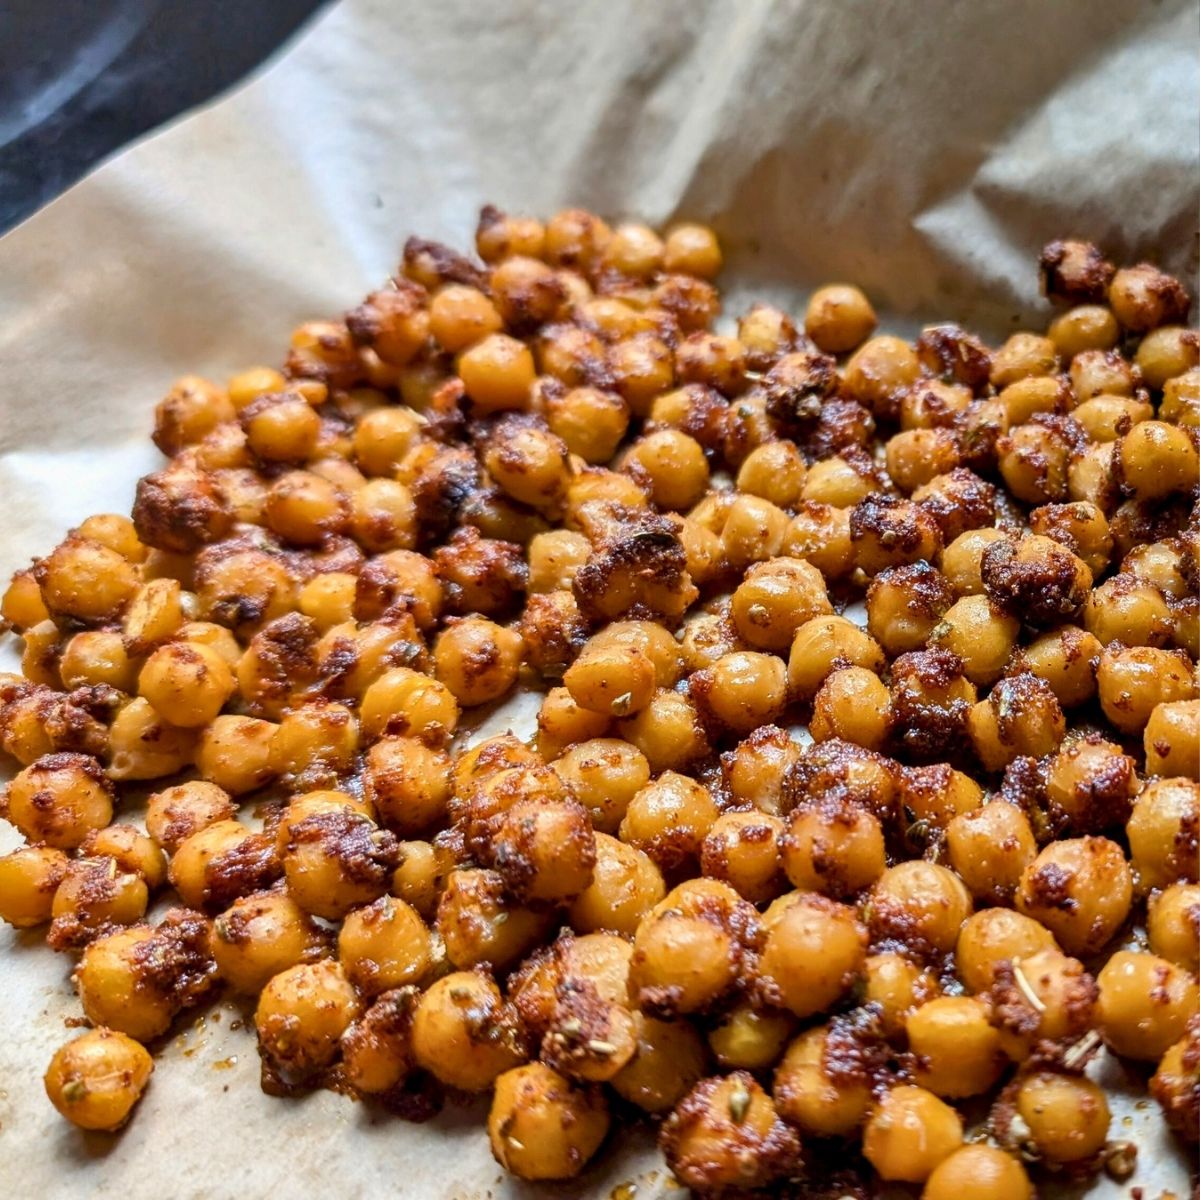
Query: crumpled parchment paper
[[922, 148]]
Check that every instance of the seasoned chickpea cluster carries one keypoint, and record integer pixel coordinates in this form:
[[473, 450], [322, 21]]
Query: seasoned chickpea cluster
[[865, 784]]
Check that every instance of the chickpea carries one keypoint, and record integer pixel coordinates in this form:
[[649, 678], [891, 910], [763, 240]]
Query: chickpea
[[1173, 925], [611, 679], [854, 705], [669, 819], [1106, 418], [221, 861], [96, 1079], [604, 774], [591, 422], [820, 534], [879, 371], [312, 803], [529, 464], [84, 579], [1022, 356], [889, 532], [376, 1049], [1080, 889], [905, 605], [814, 950], [957, 1049], [1133, 681], [1155, 459], [59, 799], [839, 317], [1081, 527], [767, 334], [725, 1134], [979, 1172], [755, 771], [742, 849], [498, 373], [22, 605], [1085, 327], [406, 703], [833, 846], [1143, 298], [1181, 400], [281, 427], [920, 903], [1067, 1116], [995, 935], [774, 599], [1066, 658], [562, 723], [407, 783], [989, 848], [693, 250], [741, 691], [29, 880], [1172, 739], [1034, 458], [1090, 785], [479, 924], [812, 1089], [1162, 832], [840, 481], [931, 701], [500, 235], [463, 1032], [713, 359], [670, 1059], [544, 851], [916, 457], [961, 559], [477, 660], [642, 367], [895, 986], [1145, 1004], [244, 590], [95, 894], [1173, 1085], [909, 1133], [753, 531], [821, 645], [302, 1013], [1035, 578], [384, 945], [673, 466], [261, 935], [1090, 477], [187, 683], [775, 472], [668, 731], [1021, 716], [626, 884], [234, 753]]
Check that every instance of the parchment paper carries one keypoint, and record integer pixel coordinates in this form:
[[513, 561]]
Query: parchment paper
[[922, 148]]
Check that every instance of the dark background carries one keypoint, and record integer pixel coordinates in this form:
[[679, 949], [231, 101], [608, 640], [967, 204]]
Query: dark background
[[81, 78]]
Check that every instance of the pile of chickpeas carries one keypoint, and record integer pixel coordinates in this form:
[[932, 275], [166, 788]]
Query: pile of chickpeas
[[541, 470]]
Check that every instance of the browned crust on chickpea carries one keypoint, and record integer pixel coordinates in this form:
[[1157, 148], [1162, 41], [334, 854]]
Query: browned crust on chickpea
[[1074, 272]]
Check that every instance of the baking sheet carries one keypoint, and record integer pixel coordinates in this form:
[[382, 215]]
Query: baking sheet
[[922, 148]]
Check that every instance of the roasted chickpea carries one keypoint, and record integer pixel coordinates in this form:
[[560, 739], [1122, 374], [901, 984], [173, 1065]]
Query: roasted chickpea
[[1021, 716], [753, 531], [376, 1049], [96, 1079], [1143, 298], [672, 466], [920, 903], [1162, 832], [187, 683], [961, 560], [909, 1133], [931, 702], [384, 945], [693, 250], [1067, 1115], [477, 660], [84, 579], [22, 605], [669, 819], [774, 599], [406, 703], [820, 534], [1173, 1085], [905, 605], [1035, 579], [725, 1134], [590, 421], [895, 986], [774, 471], [824, 644], [886, 531], [261, 935], [741, 691], [29, 880], [562, 723], [1133, 681], [302, 1014], [625, 886], [1155, 459], [957, 1049], [1066, 659], [841, 480], [838, 318], [994, 935], [989, 847], [979, 1172], [604, 774], [1090, 785], [1145, 1004], [95, 894], [234, 753], [853, 704], [668, 731], [814, 950], [1172, 739], [611, 679], [498, 373], [879, 371], [1173, 925], [833, 846], [742, 849], [1080, 889], [59, 799], [755, 771], [813, 1092], [480, 924]]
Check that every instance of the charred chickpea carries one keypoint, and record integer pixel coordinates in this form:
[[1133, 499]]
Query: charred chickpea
[[132, 850], [1034, 458], [1081, 527], [544, 851], [29, 880], [96, 1079], [886, 531], [1080, 889], [1133, 681], [175, 814], [989, 847], [1162, 832], [933, 796], [407, 783], [756, 769], [909, 1133]]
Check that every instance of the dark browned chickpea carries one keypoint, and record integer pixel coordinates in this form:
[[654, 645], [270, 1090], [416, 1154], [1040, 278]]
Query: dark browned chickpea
[[1081, 889], [909, 1133], [480, 924], [742, 849], [1074, 272], [302, 1013], [1143, 298], [921, 904], [741, 691], [1090, 785], [1021, 716], [500, 235], [886, 531], [1133, 681], [1162, 832], [692, 949], [993, 935], [931, 701], [1034, 458], [187, 683], [833, 846], [726, 1134], [814, 951], [905, 605], [1035, 579]]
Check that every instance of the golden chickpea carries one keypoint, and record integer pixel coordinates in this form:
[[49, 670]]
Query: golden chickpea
[[1143, 298], [261, 935], [989, 848], [814, 951], [383, 516], [234, 753], [383, 437], [29, 880], [841, 481], [1080, 889], [377, 1048], [713, 359], [978, 1172], [1181, 400], [957, 1049], [692, 250], [626, 885], [96, 1079], [1042, 996], [725, 1135], [749, 1037], [1105, 418], [22, 605], [1079, 526], [98, 657], [642, 367], [250, 384], [1172, 739], [775, 472], [931, 701], [742, 691], [187, 684], [498, 373], [1090, 785], [833, 846], [671, 465], [463, 1033], [115, 532], [1021, 716], [591, 422], [604, 774], [477, 660], [59, 799], [1155, 459], [906, 605], [895, 986], [825, 643], [909, 1133], [95, 894], [774, 599], [886, 531], [1034, 459], [1067, 1116], [545, 851], [480, 924], [668, 731], [669, 819], [817, 1100], [1090, 477], [993, 935], [920, 903], [1162, 832], [501, 235], [916, 457], [1133, 681], [980, 634], [753, 531], [1085, 327], [671, 1058], [839, 318], [302, 1013], [1022, 356], [742, 849], [879, 371], [384, 945], [853, 704], [407, 783], [84, 579], [221, 861], [960, 561], [563, 723], [419, 878], [460, 316], [281, 427], [611, 679], [1145, 1004], [767, 334], [1173, 925], [1066, 658], [403, 702]]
